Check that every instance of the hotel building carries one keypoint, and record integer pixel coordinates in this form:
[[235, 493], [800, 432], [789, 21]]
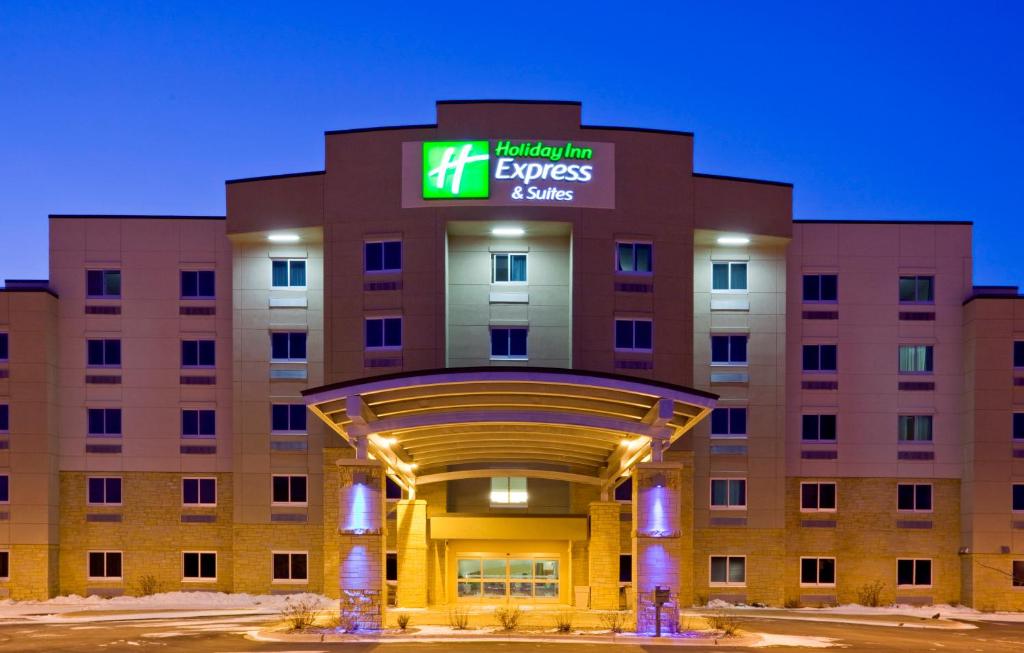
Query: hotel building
[[508, 357]]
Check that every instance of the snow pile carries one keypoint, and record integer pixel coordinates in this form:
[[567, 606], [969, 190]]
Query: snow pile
[[794, 640], [175, 601]]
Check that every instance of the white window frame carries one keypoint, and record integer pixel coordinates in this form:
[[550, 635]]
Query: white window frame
[[198, 504], [198, 365], [88, 576], [817, 571], [200, 579], [509, 255], [634, 349], [916, 277], [104, 364], [819, 508], [105, 272], [804, 300], [634, 243], [197, 297], [105, 434], [730, 289], [274, 431], [915, 508], [289, 580], [381, 242], [509, 357], [509, 504], [288, 360], [819, 439], [819, 345], [289, 286], [728, 494], [915, 418], [103, 503], [294, 504], [382, 318], [728, 561], [199, 423], [899, 357], [730, 436], [730, 362], [931, 565]]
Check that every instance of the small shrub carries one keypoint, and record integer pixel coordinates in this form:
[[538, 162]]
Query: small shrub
[[563, 622], [700, 599], [508, 618], [147, 585], [458, 619], [870, 594], [791, 603], [725, 622], [403, 620], [299, 613], [614, 621]]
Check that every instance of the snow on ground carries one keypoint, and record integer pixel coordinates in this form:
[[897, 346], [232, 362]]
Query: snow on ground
[[190, 601], [921, 611], [793, 640]]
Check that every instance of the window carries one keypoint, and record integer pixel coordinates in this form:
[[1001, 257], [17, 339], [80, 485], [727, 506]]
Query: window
[[1017, 570], [104, 421], [817, 497], [728, 570], [729, 493], [914, 573], [105, 565], [198, 423], [1018, 496], [5, 488], [915, 428], [818, 428], [821, 287], [728, 422], [198, 353], [625, 568], [1018, 353], [5, 418], [728, 350], [633, 335], [915, 497], [103, 283], [508, 268], [508, 343], [288, 490], [383, 332], [728, 276], [919, 289], [634, 257], [916, 358], [288, 346], [820, 358], [508, 492], [4, 349], [290, 567], [5, 565], [624, 490], [197, 284], [1018, 424], [817, 572], [391, 566], [199, 565], [382, 256], [288, 273], [103, 490], [199, 491], [288, 418], [392, 490], [103, 353]]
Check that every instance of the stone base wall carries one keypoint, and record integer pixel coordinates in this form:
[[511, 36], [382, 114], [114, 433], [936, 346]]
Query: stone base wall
[[988, 584]]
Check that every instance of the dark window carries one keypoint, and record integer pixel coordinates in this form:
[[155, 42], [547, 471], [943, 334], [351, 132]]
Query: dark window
[[199, 565], [104, 564], [288, 417], [918, 289], [383, 332], [818, 427], [821, 287], [5, 418], [103, 283], [289, 489], [288, 274], [197, 284], [4, 349], [198, 423], [1018, 425], [728, 570], [914, 572], [915, 428], [5, 564], [5, 488], [729, 276], [817, 571], [1018, 496], [1018, 353], [1018, 573], [290, 566], [817, 496], [104, 489], [508, 268], [288, 346], [508, 343], [392, 490], [624, 490], [633, 335], [198, 353], [914, 496], [625, 568], [383, 256], [391, 567], [729, 350], [634, 257], [916, 358], [728, 493], [104, 353], [199, 491], [729, 421], [820, 358], [104, 421]]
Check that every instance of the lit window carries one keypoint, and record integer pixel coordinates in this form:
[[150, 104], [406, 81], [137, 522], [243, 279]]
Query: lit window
[[727, 276], [288, 273], [382, 256], [103, 490], [729, 493], [508, 491], [199, 491], [508, 268], [290, 567], [915, 428], [103, 353], [508, 344], [821, 287], [103, 283], [197, 284], [817, 497], [288, 418], [199, 565], [728, 422], [917, 290], [104, 422], [634, 257], [288, 346], [105, 565], [198, 423], [916, 358], [728, 350], [820, 358], [818, 572], [198, 353], [633, 335], [818, 427], [728, 570], [5, 418], [914, 573], [288, 490], [914, 497], [383, 332]]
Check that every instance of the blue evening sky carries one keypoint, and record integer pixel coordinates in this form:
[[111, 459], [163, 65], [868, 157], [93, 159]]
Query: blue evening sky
[[874, 110]]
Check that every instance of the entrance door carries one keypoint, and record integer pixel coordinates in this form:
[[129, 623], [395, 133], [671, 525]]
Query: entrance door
[[508, 578]]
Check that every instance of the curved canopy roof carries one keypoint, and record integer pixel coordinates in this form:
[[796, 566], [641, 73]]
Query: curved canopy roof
[[436, 425]]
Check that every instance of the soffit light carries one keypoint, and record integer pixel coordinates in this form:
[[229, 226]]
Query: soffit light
[[733, 240], [508, 231], [283, 238]]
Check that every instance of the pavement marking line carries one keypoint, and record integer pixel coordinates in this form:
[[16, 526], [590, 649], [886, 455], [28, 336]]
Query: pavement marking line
[[166, 634]]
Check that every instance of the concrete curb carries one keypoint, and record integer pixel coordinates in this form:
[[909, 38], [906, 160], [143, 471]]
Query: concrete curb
[[277, 636]]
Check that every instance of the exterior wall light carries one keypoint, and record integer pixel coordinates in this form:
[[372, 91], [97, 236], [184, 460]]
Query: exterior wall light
[[283, 238], [733, 240], [508, 231]]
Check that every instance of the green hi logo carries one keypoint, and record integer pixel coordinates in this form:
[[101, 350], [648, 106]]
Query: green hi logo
[[456, 170]]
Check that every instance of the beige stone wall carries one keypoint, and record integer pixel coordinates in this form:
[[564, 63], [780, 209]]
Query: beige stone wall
[[603, 549], [253, 549]]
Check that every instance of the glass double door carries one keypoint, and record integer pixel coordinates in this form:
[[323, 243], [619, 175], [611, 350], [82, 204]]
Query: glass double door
[[505, 578]]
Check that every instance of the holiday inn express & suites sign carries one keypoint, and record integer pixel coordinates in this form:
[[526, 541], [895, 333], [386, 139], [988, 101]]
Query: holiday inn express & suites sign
[[507, 172]]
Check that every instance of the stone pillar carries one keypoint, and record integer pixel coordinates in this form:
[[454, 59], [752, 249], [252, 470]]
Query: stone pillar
[[412, 554], [603, 566], [360, 542], [657, 542]]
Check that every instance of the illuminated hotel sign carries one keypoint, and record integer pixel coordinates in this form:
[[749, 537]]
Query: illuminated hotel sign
[[508, 172]]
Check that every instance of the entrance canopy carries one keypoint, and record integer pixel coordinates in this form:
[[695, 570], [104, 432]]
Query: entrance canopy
[[454, 423]]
